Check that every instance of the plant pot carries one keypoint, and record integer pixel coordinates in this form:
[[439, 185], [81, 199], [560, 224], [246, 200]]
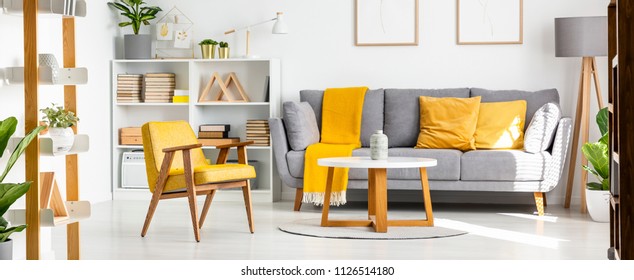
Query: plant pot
[[598, 203], [6, 250], [63, 139], [137, 46], [208, 51], [223, 52]]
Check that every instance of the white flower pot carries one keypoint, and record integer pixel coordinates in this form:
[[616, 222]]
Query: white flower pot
[[63, 139], [598, 203], [6, 250]]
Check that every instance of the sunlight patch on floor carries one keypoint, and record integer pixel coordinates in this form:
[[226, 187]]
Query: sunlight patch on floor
[[545, 218]]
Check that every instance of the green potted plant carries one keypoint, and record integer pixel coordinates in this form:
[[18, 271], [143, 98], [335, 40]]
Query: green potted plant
[[136, 46], [59, 123], [10, 192], [597, 193], [223, 50], [208, 48]]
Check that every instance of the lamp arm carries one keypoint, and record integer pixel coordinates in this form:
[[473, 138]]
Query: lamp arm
[[249, 26]]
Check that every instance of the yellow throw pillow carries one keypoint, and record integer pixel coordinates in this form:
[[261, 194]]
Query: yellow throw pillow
[[448, 123], [501, 125]]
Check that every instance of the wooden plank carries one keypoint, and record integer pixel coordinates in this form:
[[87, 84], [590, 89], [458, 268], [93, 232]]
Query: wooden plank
[[587, 79], [326, 207], [575, 142], [191, 192], [31, 121], [426, 195], [380, 196]]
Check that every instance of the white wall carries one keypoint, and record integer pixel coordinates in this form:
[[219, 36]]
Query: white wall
[[319, 52]]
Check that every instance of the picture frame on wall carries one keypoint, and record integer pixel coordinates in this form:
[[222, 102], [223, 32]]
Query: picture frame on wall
[[386, 22], [483, 22]]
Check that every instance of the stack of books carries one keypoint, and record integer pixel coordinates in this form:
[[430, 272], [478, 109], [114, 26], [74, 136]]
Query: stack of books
[[129, 88], [215, 134], [159, 87], [258, 132]]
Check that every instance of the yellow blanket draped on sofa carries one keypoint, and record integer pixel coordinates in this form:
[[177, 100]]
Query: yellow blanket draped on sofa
[[340, 134]]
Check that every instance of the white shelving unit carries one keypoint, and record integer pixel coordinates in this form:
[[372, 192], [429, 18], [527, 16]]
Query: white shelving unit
[[193, 75]]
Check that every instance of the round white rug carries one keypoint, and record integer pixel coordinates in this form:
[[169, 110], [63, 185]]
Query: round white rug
[[312, 227]]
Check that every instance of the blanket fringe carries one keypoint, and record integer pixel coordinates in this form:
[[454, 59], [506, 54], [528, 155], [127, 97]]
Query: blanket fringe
[[317, 198]]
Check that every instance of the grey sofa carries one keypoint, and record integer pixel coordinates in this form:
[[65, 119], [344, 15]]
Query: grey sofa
[[396, 112]]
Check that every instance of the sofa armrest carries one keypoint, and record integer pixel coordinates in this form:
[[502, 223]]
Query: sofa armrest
[[280, 149], [559, 152]]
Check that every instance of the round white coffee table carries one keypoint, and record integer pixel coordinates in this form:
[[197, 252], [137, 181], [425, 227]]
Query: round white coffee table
[[377, 190]]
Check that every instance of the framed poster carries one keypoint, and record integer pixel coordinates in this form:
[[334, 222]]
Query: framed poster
[[489, 22], [386, 22]]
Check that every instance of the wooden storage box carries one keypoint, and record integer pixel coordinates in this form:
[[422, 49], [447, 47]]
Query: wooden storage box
[[130, 136]]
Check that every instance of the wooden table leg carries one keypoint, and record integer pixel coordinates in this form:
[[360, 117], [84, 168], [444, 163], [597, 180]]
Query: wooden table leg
[[380, 199], [371, 194], [324, 213], [426, 196]]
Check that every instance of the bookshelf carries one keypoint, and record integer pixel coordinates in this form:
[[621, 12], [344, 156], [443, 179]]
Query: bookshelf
[[193, 75]]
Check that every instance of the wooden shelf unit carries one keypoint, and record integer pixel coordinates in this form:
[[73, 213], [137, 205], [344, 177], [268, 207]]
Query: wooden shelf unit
[[621, 145]]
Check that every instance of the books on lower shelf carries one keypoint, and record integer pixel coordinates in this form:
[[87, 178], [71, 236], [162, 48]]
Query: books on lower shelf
[[129, 88], [215, 134], [159, 87], [258, 131], [214, 127]]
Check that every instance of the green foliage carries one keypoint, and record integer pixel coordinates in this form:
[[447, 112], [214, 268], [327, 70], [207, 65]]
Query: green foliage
[[135, 12], [224, 44], [10, 192], [597, 154], [208, 42], [56, 116]]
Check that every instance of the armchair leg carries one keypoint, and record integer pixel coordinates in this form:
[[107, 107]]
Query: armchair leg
[[203, 214], [150, 212], [540, 202], [299, 195], [246, 192], [191, 193], [158, 190]]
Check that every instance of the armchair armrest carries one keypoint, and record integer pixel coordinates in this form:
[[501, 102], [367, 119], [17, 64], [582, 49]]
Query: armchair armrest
[[224, 152], [181, 148], [241, 144]]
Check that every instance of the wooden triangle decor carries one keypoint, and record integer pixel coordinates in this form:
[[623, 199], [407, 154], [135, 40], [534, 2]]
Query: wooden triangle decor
[[233, 79], [214, 77], [51, 198]]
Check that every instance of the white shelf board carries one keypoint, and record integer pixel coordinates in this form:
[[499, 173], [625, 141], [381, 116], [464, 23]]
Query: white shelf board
[[77, 210], [130, 147], [219, 103], [81, 145], [190, 59], [153, 104]]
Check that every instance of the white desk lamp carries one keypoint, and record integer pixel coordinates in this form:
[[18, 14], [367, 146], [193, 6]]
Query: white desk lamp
[[278, 28]]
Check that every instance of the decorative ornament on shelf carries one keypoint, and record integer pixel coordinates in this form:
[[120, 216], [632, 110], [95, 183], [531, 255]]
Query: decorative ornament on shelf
[[378, 146], [137, 46], [174, 35], [59, 123]]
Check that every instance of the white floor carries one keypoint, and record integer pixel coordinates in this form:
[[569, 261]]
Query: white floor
[[495, 232]]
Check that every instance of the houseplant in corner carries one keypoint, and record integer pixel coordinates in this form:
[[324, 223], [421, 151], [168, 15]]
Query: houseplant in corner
[[136, 46], [597, 193], [208, 48], [10, 192], [223, 50], [59, 123]]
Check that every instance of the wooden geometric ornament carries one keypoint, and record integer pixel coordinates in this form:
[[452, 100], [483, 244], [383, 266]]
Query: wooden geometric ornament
[[224, 89], [50, 197]]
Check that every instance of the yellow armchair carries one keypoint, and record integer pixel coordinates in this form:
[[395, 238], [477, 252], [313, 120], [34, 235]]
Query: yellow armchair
[[176, 167]]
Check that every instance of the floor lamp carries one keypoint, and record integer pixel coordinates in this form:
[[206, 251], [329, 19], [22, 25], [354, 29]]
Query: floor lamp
[[584, 37], [278, 28]]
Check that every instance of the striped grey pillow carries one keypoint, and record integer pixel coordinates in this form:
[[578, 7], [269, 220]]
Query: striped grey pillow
[[539, 133]]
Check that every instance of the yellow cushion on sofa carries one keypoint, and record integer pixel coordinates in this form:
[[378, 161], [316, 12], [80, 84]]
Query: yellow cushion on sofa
[[501, 125], [448, 123]]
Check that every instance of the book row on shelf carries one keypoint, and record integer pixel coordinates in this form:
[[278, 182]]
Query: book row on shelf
[[149, 88], [209, 134]]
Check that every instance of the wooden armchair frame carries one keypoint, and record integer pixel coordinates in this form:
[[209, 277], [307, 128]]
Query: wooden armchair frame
[[192, 190]]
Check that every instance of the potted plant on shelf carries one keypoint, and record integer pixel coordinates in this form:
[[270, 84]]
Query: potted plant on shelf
[[208, 48], [59, 123], [136, 46], [10, 192], [223, 50], [597, 193]]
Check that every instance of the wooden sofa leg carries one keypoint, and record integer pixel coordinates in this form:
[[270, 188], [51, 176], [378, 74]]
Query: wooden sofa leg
[[299, 194], [540, 202]]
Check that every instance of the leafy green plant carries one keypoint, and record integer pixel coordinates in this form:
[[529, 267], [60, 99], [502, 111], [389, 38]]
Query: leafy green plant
[[224, 44], [208, 42], [597, 155], [135, 12], [10, 192], [56, 116]]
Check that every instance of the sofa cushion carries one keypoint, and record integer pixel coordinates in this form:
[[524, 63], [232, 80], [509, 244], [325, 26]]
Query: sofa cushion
[[503, 165], [372, 116], [402, 113], [534, 100], [448, 167], [448, 123], [541, 131], [301, 125], [501, 125]]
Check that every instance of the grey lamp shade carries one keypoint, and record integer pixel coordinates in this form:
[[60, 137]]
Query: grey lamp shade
[[581, 36]]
